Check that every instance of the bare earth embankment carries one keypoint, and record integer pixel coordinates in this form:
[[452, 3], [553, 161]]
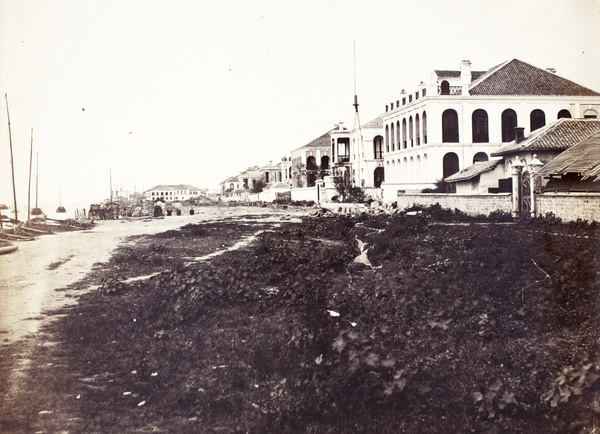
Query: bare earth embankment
[[439, 327]]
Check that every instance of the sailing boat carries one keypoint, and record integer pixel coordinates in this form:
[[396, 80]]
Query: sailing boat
[[36, 211], [61, 209]]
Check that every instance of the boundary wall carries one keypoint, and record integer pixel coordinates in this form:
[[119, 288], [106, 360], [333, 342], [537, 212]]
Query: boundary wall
[[470, 204], [569, 206]]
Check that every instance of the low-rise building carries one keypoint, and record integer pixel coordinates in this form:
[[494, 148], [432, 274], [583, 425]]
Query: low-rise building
[[170, 193]]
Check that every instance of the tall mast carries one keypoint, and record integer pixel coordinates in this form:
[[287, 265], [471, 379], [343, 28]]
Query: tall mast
[[12, 163], [29, 187], [37, 168], [356, 115]]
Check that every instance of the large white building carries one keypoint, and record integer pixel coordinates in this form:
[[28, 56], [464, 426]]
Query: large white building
[[459, 117], [171, 193]]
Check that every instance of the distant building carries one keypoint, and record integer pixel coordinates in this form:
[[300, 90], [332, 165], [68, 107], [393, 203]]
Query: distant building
[[271, 173], [361, 151], [313, 160], [460, 117], [170, 193], [241, 185]]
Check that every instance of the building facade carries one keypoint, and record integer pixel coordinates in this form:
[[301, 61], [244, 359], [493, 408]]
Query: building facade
[[460, 117], [171, 193], [312, 161], [360, 151]]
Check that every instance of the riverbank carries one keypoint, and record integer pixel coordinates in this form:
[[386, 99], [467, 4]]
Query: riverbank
[[31, 276], [331, 324]]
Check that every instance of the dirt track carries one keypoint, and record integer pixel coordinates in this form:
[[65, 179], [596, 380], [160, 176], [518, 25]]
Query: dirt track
[[31, 276]]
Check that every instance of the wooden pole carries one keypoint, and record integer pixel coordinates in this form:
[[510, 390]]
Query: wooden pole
[[29, 187], [37, 170], [12, 163]]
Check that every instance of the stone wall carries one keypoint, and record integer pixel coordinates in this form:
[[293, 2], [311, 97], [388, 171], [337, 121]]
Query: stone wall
[[566, 206], [570, 206], [470, 204], [307, 194]]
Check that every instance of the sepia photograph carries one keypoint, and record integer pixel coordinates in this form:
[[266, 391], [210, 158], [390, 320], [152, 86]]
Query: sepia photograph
[[267, 216]]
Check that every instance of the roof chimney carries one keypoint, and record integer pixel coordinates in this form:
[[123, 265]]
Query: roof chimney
[[552, 70], [465, 76], [519, 134]]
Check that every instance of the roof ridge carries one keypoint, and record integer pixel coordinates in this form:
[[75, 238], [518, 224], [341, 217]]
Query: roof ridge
[[489, 72], [518, 78]]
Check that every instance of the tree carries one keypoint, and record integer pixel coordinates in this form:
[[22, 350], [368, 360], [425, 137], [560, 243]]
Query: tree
[[258, 186], [310, 175], [346, 188], [299, 175]]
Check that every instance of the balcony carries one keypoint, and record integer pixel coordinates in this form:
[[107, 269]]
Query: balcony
[[452, 90]]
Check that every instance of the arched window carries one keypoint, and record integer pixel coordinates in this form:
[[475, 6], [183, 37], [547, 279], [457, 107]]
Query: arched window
[[424, 128], [378, 177], [450, 163], [410, 131], [311, 163], [564, 113], [509, 123], [387, 138], [325, 161], [398, 134], [404, 133], [393, 137], [445, 88], [479, 157], [590, 114], [378, 147], [537, 119], [480, 126], [450, 126], [418, 129]]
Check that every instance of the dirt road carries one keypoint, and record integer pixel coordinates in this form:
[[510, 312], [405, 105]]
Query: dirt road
[[31, 276]]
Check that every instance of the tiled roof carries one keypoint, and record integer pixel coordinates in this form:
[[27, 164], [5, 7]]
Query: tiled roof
[[230, 179], [473, 170], [377, 122], [455, 74], [583, 159], [173, 187], [320, 142], [519, 78], [557, 136]]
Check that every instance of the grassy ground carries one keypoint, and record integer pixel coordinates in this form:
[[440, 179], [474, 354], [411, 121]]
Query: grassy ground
[[450, 327]]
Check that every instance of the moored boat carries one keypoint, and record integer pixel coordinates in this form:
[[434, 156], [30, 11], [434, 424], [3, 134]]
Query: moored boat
[[7, 249]]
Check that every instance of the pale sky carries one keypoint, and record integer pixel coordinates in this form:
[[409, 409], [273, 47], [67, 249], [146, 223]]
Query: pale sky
[[177, 91]]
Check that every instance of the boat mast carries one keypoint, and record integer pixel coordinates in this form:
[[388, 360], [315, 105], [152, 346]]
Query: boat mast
[[37, 167], [29, 187], [12, 163]]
